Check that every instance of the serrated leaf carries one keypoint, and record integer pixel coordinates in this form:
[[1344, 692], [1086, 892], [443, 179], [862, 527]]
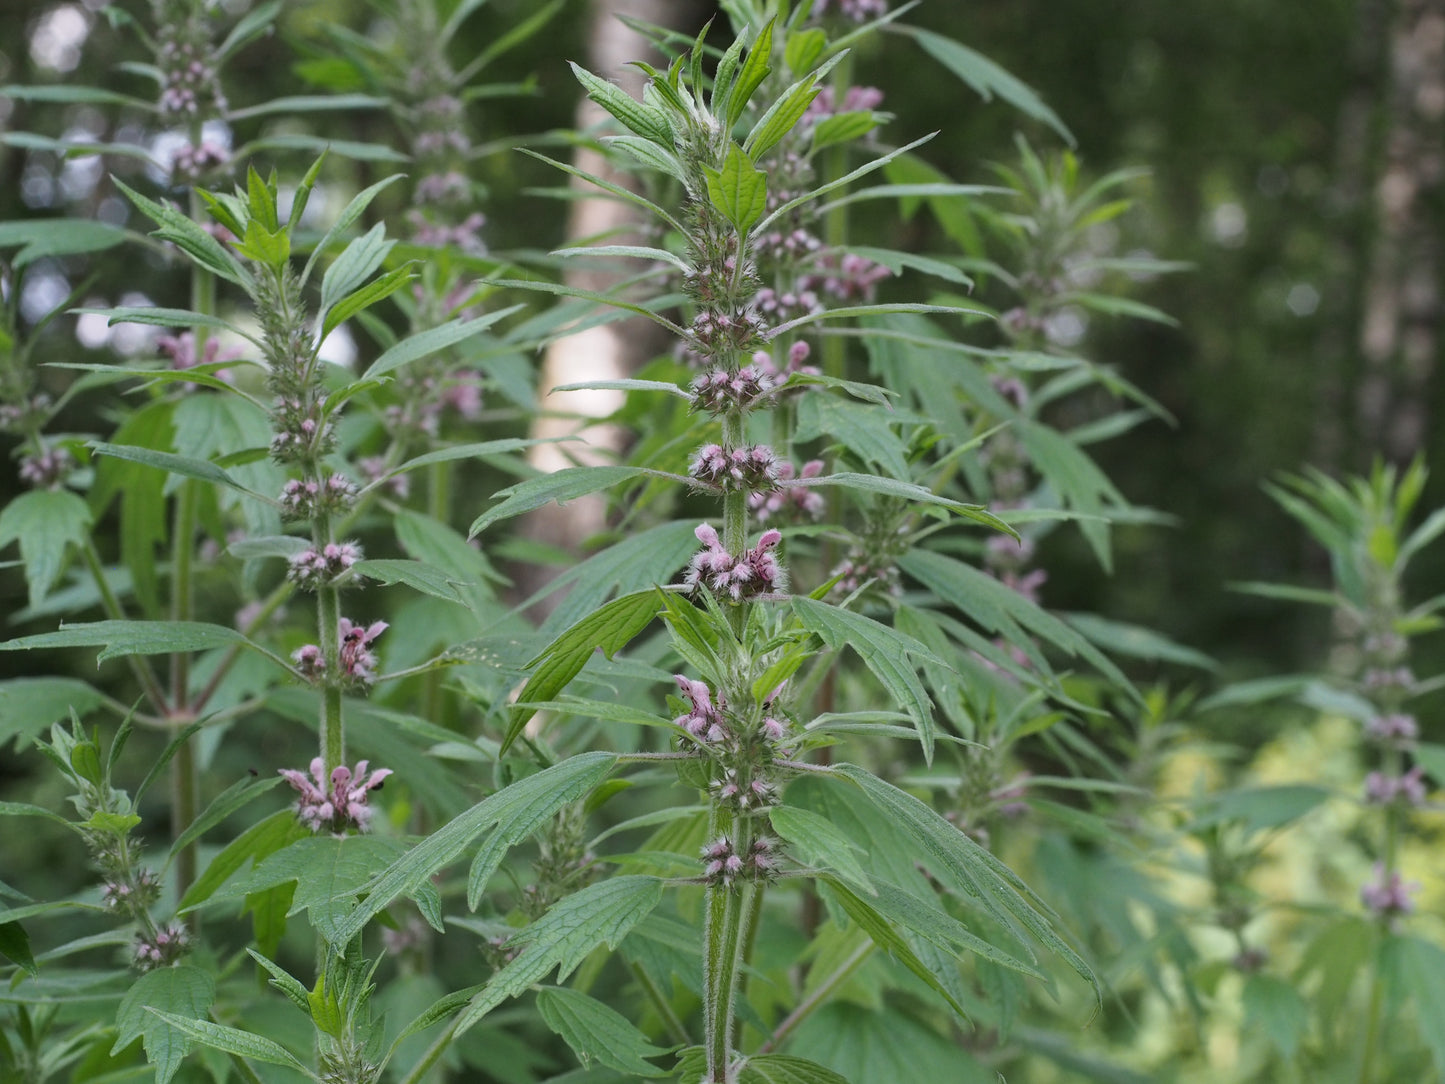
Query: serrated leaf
[[329, 873], [121, 638], [781, 117], [739, 190], [254, 844], [561, 487], [958, 861], [186, 992], [353, 210], [431, 341], [821, 842], [418, 575], [647, 121], [985, 77], [803, 49], [567, 781], [231, 1040], [45, 522], [601, 913], [885, 651], [910, 491], [362, 299], [610, 627], [186, 466], [189, 236], [750, 75], [237, 796], [597, 1032]]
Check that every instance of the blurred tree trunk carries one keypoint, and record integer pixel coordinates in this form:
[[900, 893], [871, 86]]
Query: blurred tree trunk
[[1399, 335], [610, 352]]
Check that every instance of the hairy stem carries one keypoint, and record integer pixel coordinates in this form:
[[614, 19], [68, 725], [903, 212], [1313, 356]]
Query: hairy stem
[[727, 910]]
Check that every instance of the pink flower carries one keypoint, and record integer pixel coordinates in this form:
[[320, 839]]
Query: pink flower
[[1388, 897], [345, 804], [754, 572], [358, 664], [705, 720]]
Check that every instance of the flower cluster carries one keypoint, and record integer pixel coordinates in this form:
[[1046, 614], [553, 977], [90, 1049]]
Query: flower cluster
[[858, 569], [1407, 789], [135, 893], [301, 433], [721, 392], [755, 468], [311, 568], [193, 161], [338, 803], [181, 351], [744, 795], [358, 664], [705, 720], [1387, 897], [306, 499], [723, 865], [374, 467], [190, 86], [48, 469], [1395, 730], [164, 948], [860, 11], [716, 332], [797, 500], [751, 573], [26, 414]]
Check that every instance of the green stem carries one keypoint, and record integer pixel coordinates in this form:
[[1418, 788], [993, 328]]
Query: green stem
[[670, 1019], [139, 664], [429, 1058], [727, 908], [438, 498], [183, 543], [185, 804], [820, 994]]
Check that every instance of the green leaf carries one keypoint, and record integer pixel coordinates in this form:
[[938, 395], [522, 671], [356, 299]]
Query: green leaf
[[750, 76], [356, 263], [647, 121], [363, 298], [1273, 1006], [1137, 641], [432, 341], [821, 842], [233, 1041], [251, 26], [843, 128], [43, 237], [597, 1032], [190, 238], [985, 77], [186, 992], [155, 316], [561, 486], [610, 627], [863, 429], [739, 190], [961, 863], [564, 782], [781, 117], [255, 843], [74, 95], [237, 796], [803, 49], [1002, 610], [353, 210], [15, 947], [200, 469], [329, 873], [601, 913], [1415, 968], [910, 491], [418, 575], [885, 651], [302, 104], [121, 638], [45, 522], [638, 252]]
